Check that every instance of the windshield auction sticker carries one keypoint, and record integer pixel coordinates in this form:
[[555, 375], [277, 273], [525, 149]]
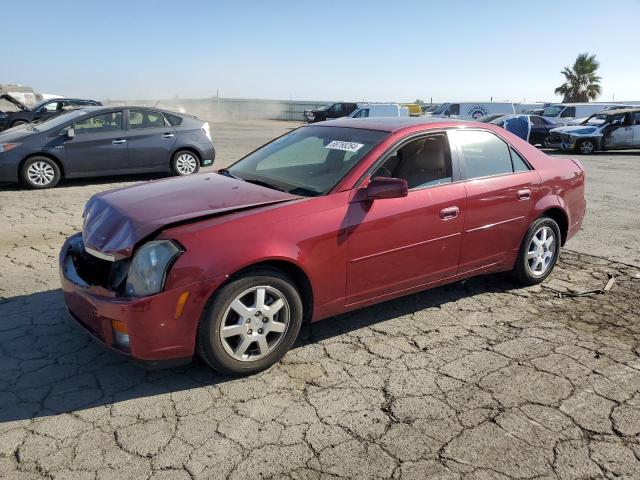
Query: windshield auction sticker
[[346, 146]]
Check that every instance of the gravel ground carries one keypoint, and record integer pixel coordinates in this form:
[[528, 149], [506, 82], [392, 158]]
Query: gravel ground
[[475, 380]]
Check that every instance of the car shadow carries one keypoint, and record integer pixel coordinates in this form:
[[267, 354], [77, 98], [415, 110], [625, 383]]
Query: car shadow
[[50, 366]]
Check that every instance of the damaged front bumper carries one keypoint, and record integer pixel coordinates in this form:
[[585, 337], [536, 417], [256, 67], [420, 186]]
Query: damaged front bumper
[[157, 331]]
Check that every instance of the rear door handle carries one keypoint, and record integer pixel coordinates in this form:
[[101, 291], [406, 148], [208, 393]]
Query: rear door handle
[[524, 194], [449, 213], [119, 141], [167, 135]]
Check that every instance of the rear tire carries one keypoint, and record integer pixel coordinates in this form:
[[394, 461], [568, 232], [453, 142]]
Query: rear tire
[[539, 252], [184, 162], [243, 331], [39, 173]]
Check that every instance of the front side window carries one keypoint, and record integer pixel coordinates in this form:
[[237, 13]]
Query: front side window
[[536, 120], [552, 111], [362, 113], [106, 122], [484, 154], [636, 118], [454, 109], [308, 161], [145, 119], [423, 162], [336, 108], [51, 107]]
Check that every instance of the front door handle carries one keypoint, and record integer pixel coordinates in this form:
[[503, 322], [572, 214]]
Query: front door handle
[[167, 135], [449, 213], [524, 194], [119, 141]]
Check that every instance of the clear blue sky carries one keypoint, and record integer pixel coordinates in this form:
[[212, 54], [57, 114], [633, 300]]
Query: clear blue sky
[[321, 50]]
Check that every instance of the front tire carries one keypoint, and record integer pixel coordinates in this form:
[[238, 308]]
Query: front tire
[[250, 323], [184, 162], [39, 173], [586, 147], [539, 252]]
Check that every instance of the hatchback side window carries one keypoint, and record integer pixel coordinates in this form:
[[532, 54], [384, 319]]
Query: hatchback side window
[[568, 112], [106, 122], [145, 119], [423, 162], [484, 154]]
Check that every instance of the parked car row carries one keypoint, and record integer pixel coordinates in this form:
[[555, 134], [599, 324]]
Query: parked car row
[[93, 141]]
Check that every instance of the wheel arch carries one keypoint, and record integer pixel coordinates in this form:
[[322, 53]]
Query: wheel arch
[[561, 218], [46, 155], [289, 268]]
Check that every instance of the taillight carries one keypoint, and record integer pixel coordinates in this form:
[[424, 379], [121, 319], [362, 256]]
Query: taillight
[[206, 130]]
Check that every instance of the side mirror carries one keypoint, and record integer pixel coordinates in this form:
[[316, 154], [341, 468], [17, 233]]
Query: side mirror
[[385, 187], [71, 133]]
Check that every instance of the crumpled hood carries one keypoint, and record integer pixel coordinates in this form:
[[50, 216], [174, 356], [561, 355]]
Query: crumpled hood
[[116, 220], [577, 128]]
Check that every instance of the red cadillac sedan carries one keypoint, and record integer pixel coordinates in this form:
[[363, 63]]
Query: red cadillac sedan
[[327, 218]]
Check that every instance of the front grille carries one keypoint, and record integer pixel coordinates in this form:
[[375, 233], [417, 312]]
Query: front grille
[[98, 272]]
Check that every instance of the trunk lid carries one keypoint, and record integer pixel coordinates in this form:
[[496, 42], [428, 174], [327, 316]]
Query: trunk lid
[[116, 220]]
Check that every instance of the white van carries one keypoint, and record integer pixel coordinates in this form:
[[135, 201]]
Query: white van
[[522, 107], [379, 110], [472, 110], [565, 112]]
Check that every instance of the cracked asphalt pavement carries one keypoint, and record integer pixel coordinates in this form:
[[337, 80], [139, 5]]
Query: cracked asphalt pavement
[[476, 380]]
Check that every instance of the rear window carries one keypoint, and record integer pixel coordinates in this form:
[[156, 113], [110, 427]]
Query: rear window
[[174, 120]]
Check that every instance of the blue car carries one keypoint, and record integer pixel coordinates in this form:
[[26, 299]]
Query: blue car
[[95, 141]]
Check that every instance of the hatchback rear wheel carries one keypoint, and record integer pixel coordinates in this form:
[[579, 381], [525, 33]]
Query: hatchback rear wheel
[[251, 323], [184, 162]]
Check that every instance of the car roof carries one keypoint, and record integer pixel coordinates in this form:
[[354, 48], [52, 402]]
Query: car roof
[[392, 124], [97, 108], [619, 111]]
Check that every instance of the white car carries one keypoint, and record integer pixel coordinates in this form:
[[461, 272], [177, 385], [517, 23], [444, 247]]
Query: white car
[[580, 121], [608, 130], [472, 110], [379, 110], [566, 112]]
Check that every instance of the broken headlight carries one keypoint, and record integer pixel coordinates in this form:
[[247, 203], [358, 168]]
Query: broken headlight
[[149, 268]]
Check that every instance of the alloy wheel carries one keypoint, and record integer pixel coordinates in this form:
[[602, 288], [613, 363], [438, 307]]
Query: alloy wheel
[[586, 147], [255, 323], [186, 164], [40, 173], [541, 251]]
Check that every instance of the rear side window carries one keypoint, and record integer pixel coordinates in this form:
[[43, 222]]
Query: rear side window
[[107, 122], [484, 154], [145, 119], [569, 112], [174, 120], [519, 165]]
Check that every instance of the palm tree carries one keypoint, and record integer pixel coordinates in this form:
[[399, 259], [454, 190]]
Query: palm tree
[[582, 84]]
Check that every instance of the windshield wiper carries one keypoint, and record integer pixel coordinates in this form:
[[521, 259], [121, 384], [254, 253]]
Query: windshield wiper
[[227, 173], [263, 184]]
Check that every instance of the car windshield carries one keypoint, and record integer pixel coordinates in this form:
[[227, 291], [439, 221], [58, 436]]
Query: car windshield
[[596, 119], [58, 120], [308, 161], [553, 111], [440, 109]]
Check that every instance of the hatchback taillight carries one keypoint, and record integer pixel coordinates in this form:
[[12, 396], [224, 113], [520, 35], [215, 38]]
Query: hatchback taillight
[[206, 130]]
